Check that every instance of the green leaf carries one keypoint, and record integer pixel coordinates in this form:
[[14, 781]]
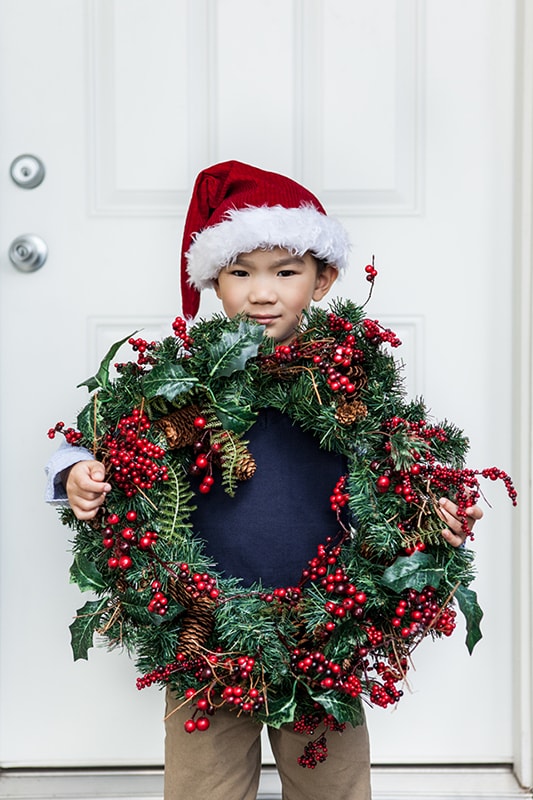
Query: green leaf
[[412, 572], [234, 417], [234, 349], [141, 616], [342, 708], [168, 381], [85, 574], [281, 710], [101, 379], [473, 614], [83, 628]]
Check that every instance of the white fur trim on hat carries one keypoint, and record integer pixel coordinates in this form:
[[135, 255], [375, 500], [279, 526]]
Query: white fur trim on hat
[[299, 230]]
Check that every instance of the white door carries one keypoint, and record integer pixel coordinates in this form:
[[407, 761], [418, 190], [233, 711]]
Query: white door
[[399, 116]]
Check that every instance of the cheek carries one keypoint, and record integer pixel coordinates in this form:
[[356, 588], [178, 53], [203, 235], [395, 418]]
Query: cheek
[[232, 299], [301, 296]]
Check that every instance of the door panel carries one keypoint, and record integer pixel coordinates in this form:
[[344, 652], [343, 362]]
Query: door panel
[[398, 115]]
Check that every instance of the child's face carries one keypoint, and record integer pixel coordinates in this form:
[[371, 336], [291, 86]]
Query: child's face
[[273, 287]]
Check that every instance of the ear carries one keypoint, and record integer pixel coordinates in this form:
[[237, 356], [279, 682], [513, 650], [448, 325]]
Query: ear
[[216, 287], [324, 281]]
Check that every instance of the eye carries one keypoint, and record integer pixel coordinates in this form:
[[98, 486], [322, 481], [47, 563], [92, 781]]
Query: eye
[[238, 273], [286, 273]]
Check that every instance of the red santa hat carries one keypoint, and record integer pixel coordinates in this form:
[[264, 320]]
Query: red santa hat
[[236, 208]]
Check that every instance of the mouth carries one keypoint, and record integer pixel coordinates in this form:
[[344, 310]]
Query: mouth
[[263, 319]]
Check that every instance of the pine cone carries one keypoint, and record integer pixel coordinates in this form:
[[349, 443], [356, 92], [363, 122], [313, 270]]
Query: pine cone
[[196, 627], [178, 427], [349, 412], [178, 592], [357, 376], [246, 467], [367, 551]]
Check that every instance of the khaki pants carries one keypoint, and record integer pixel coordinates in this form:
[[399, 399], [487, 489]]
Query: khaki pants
[[224, 762]]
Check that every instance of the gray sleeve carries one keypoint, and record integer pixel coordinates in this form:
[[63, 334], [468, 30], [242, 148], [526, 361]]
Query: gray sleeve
[[64, 457]]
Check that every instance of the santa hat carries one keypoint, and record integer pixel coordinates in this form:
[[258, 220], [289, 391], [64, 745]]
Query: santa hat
[[236, 208]]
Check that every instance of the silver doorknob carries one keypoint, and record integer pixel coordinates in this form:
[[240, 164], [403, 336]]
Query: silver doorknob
[[28, 253], [27, 171]]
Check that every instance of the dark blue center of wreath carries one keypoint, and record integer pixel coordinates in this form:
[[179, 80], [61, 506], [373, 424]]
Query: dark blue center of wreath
[[277, 519]]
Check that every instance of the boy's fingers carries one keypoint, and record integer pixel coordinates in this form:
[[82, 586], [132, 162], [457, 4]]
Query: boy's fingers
[[454, 533], [474, 512], [97, 471], [448, 512], [97, 474], [89, 488], [81, 514], [97, 488], [455, 539], [90, 502], [86, 508]]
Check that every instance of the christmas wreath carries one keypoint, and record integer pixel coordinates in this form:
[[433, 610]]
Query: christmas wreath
[[306, 654]]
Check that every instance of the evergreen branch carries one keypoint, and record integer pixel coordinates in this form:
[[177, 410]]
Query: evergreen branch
[[176, 505]]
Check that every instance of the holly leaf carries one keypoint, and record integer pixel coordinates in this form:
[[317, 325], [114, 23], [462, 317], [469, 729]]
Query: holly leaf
[[158, 620], [234, 348], [168, 381], [281, 710], [413, 572], [473, 614], [234, 417], [85, 574], [101, 379], [343, 710], [140, 615], [82, 629]]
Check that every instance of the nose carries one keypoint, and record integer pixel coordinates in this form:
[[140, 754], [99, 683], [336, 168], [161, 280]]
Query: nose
[[262, 291]]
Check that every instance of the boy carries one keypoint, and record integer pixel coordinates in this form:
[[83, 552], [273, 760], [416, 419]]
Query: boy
[[267, 247]]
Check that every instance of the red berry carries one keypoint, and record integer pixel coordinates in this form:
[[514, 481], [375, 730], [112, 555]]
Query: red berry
[[145, 543], [382, 483], [189, 725], [202, 724]]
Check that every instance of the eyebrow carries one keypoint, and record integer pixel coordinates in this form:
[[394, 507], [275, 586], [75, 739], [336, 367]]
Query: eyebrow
[[280, 262]]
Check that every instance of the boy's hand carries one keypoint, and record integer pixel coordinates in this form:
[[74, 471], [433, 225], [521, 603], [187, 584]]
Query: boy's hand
[[453, 534], [86, 488]]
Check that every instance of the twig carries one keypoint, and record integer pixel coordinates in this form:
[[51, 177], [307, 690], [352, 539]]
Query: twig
[[95, 400]]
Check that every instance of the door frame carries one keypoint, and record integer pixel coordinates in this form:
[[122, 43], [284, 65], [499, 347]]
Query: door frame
[[523, 398]]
